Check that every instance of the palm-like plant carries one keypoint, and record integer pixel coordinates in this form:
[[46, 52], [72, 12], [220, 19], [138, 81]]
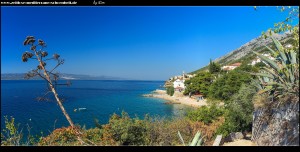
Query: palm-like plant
[[197, 140], [281, 77]]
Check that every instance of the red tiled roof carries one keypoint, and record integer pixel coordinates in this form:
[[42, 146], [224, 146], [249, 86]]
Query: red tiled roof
[[236, 64], [227, 68]]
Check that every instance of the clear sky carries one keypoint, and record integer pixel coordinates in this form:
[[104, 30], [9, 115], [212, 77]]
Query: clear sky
[[143, 43]]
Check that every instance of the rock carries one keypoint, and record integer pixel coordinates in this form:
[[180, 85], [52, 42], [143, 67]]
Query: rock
[[239, 135], [234, 136]]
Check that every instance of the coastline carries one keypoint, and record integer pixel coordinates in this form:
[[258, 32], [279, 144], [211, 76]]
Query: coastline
[[176, 99]]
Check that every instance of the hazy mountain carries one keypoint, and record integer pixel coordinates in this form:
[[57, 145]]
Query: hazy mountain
[[63, 76]]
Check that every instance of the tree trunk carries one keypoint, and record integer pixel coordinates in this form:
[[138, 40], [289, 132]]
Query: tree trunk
[[55, 93]]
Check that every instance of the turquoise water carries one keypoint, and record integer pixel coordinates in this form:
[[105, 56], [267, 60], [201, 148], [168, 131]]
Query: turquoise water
[[101, 98]]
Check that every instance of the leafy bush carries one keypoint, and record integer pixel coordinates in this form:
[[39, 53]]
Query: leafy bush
[[239, 110], [12, 135], [170, 90], [64, 136], [125, 131], [229, 84], [199, 83], [205, 114], [226, 128], [214, 67], [94, 135]]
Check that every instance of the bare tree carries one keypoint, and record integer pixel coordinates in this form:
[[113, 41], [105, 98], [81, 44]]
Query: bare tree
[[49, 76]]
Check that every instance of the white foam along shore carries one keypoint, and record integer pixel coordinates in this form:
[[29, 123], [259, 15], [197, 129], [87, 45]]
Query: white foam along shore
[[186, 100]]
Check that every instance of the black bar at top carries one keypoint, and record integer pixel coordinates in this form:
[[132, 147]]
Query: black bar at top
[[149, 3]]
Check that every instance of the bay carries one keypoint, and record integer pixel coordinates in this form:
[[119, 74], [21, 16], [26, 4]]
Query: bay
[[101, 98]]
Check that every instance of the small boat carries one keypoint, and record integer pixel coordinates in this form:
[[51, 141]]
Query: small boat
[[81, 109]]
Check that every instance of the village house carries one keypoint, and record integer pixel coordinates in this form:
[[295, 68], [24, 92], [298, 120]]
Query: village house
[[179, 85], [178, 81], [231, 66]]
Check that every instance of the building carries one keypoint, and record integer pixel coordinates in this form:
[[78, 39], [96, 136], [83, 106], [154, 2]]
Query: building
[[178, 81], [231, 66], [178, 85]]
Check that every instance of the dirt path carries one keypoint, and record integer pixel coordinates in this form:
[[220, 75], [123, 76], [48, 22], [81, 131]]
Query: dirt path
[[240, 142]]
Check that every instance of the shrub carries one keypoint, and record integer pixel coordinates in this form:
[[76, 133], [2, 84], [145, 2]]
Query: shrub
[[170, 90], [239, 110], [94, 135], [229, 84], [226, 128], [12, 135], [199, 83], [205, 114], [122, 130], [65, 136], [163, 132]]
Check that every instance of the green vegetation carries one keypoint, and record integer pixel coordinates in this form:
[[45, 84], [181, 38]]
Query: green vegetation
[[170, 90], [229, 84], [238, 115], [197, 141], [277, 82], [280, 79], [12, 134], [205, 114], [199, 84], [213, 67], [123, 130]]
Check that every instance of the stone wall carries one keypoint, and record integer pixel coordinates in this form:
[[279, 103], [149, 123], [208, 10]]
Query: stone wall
[[277, 126]]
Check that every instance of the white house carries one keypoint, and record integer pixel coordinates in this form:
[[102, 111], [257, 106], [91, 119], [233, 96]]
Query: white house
[[231, 67], [256, 60], [178, 85]]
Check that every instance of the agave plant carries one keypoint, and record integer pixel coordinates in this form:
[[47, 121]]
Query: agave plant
[[281, 77], [197, 140]]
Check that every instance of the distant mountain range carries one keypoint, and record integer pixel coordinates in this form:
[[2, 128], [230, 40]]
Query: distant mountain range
[[63, 76]]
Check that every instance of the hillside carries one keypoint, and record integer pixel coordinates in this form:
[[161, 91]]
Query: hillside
[[245, 51]]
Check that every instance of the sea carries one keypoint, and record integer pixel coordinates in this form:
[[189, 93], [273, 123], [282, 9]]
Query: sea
[[97, 100]]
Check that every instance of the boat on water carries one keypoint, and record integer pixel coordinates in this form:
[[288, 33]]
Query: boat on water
[[79, 109]]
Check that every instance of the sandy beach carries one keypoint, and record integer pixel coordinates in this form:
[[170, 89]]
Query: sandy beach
[[177, 99]]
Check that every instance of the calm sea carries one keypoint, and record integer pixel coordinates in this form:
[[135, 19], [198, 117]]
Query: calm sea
[[101, 98]]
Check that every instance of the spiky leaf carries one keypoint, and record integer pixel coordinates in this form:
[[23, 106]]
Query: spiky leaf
[[293, 57], [270, 62], [196, 139], [272, 51], [181, 138], [263, 75]]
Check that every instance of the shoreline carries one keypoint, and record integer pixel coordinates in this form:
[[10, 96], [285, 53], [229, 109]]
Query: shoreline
[[175, 99]]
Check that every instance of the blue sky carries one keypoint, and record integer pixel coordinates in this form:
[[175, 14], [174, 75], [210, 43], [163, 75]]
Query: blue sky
[[143, 43]]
